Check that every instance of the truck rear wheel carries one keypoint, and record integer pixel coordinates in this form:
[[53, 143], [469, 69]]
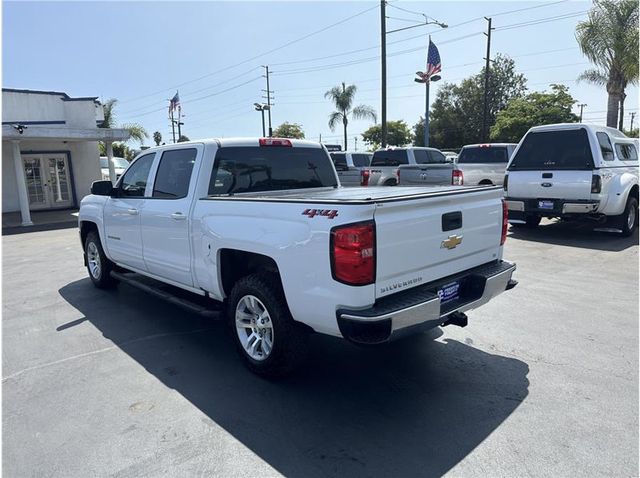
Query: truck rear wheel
[[628, 220], [98, 265], [269, 341]]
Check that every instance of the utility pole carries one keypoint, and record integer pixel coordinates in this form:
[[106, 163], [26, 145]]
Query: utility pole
[[173, 127], [355, 140], [383, 85], [633, 115], [320, 138], [581, 105], [269, 98], [485, 113]]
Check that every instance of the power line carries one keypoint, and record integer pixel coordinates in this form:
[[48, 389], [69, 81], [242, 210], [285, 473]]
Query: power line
[[541, 20]]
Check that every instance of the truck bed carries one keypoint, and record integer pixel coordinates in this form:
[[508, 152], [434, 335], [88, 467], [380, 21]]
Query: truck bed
[[354, 195]]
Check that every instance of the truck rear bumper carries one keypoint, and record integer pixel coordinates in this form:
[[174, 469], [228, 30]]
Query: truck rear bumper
[[420, 308], [520, 208]]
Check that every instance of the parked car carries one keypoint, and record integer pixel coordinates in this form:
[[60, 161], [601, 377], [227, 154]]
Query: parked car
[[574, 171], [120, 164], [408, 166], [484, 164], [262, 227], [349, 166]]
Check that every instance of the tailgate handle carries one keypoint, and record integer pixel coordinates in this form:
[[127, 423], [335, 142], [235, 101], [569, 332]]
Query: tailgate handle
[[547, 175], [451, 221]]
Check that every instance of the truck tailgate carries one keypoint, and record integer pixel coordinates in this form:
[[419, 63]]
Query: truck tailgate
[[550, 184], [425, 175], [422, 240]]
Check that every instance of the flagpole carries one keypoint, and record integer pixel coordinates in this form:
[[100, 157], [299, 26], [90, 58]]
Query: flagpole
[[173, 127], [426, 106]]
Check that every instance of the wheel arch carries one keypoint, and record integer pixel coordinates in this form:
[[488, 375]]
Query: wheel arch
[[85, 228], [236, 264]]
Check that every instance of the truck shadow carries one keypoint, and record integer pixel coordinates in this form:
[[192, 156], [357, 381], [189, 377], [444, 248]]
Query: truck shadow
[[413, 408], [574, 234]]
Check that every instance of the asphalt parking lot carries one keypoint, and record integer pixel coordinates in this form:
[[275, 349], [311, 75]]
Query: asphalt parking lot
[[543, 381]]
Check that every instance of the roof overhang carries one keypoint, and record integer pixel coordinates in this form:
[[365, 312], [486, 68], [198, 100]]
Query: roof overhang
[[49, 133]]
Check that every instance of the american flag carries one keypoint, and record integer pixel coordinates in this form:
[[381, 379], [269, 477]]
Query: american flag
[[433, 60], [174, 102]]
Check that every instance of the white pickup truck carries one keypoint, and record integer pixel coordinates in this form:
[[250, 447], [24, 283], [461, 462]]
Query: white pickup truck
[[263, 227], [574, 171]]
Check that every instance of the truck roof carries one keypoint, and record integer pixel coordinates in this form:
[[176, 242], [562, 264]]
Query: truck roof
[[591, 127], [235, 142], [484, 145]]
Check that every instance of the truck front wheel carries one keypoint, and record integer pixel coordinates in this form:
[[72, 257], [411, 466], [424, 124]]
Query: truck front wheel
[[98, 265], [269, 341], [628, 220]]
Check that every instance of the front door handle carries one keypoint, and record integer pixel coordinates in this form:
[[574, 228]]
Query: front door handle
[[132, 211], [178, 216]]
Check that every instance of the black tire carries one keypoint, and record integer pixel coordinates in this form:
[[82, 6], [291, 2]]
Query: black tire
[[94, 255], [630, 215], [289, 338], [390, 182]]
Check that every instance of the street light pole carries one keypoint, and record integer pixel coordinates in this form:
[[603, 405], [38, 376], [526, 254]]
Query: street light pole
[[383, 83]]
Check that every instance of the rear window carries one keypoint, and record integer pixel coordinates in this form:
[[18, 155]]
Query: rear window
[[390, 157], [483, 154], [626, 152], [568, 150], [340, 160], [247, 169], [425, 156], [361, 160]]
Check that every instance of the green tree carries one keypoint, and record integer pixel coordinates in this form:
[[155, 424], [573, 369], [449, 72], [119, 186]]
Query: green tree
[[456, 114], [157, 138], [342, 97], [398, 134], [289, 130], [136, 131], [609, 39], [537, 108], [183, 138]]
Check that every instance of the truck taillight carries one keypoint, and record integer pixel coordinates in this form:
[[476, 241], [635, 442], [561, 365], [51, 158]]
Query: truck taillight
[[398, 175], [505, 221], [596, 184], [353, 253], [364, 177], [506, 180], [456, 178], [274, 142]]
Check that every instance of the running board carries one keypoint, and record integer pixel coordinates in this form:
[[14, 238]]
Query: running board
[[207, 308], [607, 229]]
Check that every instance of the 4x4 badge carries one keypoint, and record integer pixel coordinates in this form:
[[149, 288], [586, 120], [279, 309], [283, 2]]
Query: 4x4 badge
[[329, 213]]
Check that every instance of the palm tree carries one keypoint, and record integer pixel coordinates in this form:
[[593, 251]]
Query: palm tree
[[342, 97], [157, 138], [609, 39], [136, 131]]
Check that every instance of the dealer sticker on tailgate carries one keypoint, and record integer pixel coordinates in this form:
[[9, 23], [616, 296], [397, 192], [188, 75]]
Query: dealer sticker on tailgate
[[449, 292]]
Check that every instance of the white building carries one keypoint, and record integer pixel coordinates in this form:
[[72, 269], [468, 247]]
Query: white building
[[50, 151]]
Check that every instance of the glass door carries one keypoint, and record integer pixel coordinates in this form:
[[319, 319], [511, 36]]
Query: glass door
[[48, 182]]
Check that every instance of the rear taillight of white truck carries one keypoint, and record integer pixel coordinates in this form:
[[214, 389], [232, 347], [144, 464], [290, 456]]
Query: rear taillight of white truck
[[364, 177], [596, 184], [353, 253], [505, 221], [456, 177]]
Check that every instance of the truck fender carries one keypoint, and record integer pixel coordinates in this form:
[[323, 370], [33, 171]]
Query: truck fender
[[620, 187]]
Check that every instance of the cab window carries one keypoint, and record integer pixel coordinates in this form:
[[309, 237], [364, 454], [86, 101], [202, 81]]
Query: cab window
[[174, 173], [134, 181], [605, 146]]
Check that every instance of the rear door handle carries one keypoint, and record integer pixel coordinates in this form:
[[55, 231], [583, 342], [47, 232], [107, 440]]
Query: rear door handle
[[132, 211], [178, 216]]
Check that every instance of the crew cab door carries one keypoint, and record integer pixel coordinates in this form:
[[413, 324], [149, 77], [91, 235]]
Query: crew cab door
[[165, 218], [123, 240]]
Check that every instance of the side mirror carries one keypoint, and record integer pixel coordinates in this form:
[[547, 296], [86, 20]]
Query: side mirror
[[101, 188]]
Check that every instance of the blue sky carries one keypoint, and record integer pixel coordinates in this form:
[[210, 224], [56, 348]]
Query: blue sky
[[212, 52]]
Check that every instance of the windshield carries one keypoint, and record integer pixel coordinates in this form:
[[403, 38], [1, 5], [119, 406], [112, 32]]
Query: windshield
[[566, 149], [118, 163], [246, 169], [483, 154]]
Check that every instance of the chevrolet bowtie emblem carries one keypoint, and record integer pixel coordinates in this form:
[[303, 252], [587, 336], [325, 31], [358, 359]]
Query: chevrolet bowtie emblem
[[451, 242]]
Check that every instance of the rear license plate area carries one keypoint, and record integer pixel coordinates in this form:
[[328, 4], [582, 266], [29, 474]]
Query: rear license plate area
[[546, 205], [449, 292]]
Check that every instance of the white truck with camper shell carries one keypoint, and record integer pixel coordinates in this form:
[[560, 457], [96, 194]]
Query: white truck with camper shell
[[574, 171], [262, 228]]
